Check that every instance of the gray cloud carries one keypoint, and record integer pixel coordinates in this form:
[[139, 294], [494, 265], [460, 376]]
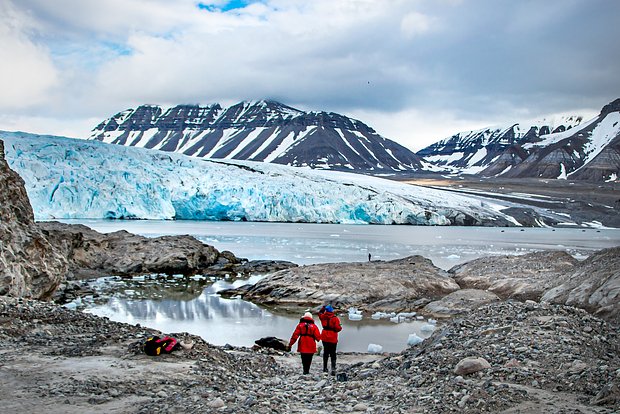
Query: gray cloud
[[440, 65]]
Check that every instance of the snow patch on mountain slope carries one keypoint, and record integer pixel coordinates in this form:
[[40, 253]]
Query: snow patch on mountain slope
[[559, 136]]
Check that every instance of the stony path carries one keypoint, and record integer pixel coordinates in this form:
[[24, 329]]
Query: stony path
[[542, 359]]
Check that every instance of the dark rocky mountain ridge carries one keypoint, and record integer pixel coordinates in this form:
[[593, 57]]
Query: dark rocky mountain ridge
[[259, 131], [565, 149]]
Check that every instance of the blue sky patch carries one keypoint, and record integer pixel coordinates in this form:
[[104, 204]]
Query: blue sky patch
[[230, 5]]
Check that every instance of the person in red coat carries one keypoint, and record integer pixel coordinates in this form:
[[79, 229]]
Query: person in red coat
[[329, 336], [308, 334]]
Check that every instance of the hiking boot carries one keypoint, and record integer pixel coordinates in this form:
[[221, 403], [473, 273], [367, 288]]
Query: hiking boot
[[333, 372], [325, 370]]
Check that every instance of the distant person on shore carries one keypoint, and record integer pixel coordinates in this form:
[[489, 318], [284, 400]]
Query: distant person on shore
[[329, 336], [156, 346], [369, 256], [308, 334]]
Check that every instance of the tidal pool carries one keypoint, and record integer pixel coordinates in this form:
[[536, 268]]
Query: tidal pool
[[174, 304]]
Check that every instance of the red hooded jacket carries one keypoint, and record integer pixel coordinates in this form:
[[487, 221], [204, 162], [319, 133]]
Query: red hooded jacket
[[308, 334], [331, 327]]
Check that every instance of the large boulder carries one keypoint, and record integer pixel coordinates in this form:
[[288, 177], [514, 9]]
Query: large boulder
[[30, 266], [397, 285], [594, 286], [515, 277]]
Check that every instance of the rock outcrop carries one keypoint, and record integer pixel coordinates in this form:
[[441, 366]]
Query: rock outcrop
[[459, 302], [415, 284], [515, 277], [30, 266], [398, 285], [594, 285], [93, 254]]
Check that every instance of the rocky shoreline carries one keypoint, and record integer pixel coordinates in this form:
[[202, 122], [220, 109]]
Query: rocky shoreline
[[538, 357]]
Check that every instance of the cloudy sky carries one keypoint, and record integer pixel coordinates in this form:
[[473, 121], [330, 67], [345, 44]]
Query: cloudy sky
[[415, 70]]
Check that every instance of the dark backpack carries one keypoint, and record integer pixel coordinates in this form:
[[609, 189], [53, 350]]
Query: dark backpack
[[153, 346]]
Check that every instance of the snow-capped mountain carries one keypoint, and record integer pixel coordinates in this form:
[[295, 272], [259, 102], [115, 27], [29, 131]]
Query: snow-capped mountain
[[265, 131], [471, 152], [70, 178], [561, 148]]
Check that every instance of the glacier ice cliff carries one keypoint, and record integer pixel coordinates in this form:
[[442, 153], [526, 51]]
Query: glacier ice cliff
[[73, 178]]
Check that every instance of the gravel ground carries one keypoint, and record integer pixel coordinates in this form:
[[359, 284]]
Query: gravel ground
[[542, 359]]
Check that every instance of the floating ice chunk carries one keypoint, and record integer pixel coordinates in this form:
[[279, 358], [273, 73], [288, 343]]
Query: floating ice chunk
[[374, 348], [427, 328], [432, 321], [414, 339], [402, 317], [420, 317], [383, 315], [453, 256], [355, 315]]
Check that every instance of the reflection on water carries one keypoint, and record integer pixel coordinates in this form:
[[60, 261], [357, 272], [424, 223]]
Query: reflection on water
[[191, 305], [145, 301]]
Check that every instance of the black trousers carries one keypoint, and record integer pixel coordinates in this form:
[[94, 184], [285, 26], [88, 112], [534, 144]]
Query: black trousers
[[329, 351], [306, 361]]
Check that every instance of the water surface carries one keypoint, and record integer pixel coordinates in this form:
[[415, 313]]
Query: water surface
[[192, 305]]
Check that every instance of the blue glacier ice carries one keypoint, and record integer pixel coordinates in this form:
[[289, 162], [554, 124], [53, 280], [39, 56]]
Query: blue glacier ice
[[73, 178]]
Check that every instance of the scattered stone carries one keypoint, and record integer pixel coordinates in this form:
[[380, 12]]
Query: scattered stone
[[217, 403], [470, 365]]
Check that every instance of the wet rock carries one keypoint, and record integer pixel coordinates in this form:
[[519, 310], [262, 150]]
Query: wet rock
[[273, 343]]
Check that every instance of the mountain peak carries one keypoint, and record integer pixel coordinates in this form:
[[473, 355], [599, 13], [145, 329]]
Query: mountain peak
[[264, 130], [613, 106], [556, 147]]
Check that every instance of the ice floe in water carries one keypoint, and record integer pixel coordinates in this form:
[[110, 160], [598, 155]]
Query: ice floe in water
[[414, 340], [355, 314], [374, 348]]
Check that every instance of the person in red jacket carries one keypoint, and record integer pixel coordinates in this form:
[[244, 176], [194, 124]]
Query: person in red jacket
[[329, 336], [308, 334]]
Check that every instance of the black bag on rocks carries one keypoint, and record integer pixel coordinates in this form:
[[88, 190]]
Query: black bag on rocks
[[273, 343], [155, 345]]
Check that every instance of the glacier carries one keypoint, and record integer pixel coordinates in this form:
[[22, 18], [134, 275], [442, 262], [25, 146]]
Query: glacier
[[73, 178]]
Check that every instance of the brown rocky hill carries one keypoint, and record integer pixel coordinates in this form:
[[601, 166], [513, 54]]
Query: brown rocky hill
[[30, 266]]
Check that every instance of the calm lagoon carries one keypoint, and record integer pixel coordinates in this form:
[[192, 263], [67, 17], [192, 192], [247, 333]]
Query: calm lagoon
[[175, 304]]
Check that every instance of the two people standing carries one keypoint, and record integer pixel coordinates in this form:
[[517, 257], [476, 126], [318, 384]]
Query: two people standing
[[308, 334]]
